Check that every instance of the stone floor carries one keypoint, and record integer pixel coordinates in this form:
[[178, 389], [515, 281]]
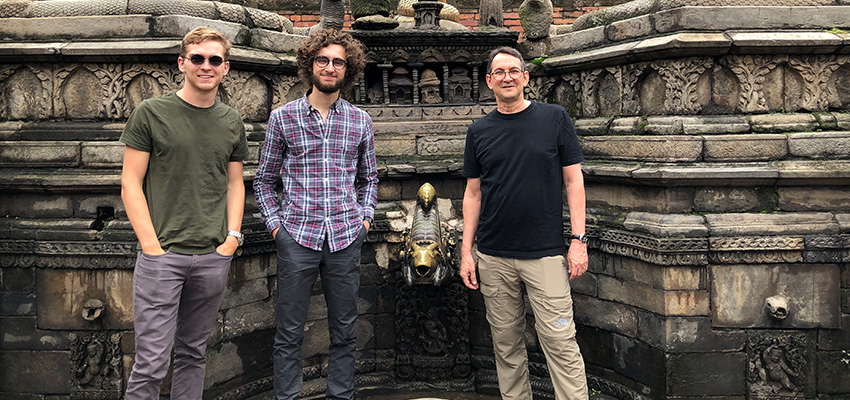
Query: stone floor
[[430, 396]]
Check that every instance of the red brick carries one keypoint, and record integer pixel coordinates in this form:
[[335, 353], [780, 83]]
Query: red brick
[[516, 28], [311, 18], [295, 18], [300, 24], [512, 22], [512, 15], [469, 23]]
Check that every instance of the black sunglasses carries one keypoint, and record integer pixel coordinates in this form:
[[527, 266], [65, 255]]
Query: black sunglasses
[[198, 60]]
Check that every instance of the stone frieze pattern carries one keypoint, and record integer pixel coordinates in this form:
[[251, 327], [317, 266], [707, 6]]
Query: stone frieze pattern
[[33, 100], [588, 92], [815, 72], [630, 76], [539, 88], [680, 78], [751, 72], [168, 77]]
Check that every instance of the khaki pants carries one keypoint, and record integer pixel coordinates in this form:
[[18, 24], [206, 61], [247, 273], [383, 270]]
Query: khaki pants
[[549, 293]]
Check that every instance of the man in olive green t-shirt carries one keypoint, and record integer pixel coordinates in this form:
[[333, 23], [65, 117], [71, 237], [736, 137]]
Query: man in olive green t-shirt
[[184, 194]]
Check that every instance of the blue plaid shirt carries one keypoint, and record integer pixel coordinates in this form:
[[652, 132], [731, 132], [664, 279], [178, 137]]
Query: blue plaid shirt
[[328, 170]]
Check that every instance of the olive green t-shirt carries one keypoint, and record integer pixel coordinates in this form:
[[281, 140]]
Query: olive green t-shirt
[[186, 181]]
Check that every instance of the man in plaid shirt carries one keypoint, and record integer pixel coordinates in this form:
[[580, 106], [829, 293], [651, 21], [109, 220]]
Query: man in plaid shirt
[[322, 150]]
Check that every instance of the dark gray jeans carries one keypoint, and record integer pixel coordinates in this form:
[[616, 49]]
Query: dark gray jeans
[[175, 302], [297, 270]]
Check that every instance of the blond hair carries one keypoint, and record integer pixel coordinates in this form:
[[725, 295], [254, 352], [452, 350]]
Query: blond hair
[[202, 34]]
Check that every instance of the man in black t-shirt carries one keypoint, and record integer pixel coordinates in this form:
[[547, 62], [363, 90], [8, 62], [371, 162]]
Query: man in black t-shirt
[[517, 158]]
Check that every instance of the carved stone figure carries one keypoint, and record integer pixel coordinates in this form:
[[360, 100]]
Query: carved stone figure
[[430, 88], [427, 255], [777, 363], [406, 12], [535, 17], [372, 15], [459, 86], [401, 87], [96, 362], [490, 14]]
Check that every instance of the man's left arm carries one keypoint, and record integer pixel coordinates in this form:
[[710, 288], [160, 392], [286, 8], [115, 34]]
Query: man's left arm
[[367, 177], [577, 255], [235, 206]]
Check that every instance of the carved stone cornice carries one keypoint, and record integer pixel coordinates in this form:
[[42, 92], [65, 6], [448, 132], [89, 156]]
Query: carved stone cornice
[[680, 77], [816, 71], [751, 72]]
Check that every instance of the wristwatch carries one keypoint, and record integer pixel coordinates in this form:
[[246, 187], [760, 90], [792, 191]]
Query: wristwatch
[[582, 238], [238, 235]]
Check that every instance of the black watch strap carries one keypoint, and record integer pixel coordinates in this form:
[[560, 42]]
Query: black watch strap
[[582, 238]]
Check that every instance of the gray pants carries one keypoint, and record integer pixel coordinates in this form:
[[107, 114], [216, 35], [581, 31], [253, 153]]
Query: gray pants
[[297, 270], [174, 293]]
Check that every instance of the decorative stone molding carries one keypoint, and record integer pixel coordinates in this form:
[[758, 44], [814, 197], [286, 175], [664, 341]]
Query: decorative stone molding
[[751, 71], [778, 362], [145, 81], [26, 92], [680, 77], [815, 72], [590, 107], [539, 88], [96, 365]]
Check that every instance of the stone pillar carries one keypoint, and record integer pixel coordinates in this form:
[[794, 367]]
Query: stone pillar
[[385, 80], [415, 67]]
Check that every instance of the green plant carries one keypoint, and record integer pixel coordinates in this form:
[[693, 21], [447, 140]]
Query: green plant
[[539, 60], [836, 31]]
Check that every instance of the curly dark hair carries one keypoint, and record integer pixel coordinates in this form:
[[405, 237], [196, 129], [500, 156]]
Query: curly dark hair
[[354, 54]]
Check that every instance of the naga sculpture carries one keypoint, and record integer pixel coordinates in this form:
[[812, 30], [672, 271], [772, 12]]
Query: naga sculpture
[[428, 254]]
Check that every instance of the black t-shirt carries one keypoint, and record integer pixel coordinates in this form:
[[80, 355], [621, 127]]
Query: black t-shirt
[[519, 159]]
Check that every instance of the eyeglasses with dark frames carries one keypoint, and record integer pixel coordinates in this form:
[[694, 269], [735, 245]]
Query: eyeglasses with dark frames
[[338, 63], [198, 60], [514, 73]]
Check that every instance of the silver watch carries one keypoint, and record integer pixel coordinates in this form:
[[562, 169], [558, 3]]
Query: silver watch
[[238, 235]]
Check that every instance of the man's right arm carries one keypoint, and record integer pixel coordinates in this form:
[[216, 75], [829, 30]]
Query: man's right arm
[[135, 204], [268, 173], [471, 213]]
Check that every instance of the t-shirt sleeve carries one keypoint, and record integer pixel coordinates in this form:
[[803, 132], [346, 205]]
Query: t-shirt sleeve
[[240, 152], [569, 148], [471, 166], [137, 131]]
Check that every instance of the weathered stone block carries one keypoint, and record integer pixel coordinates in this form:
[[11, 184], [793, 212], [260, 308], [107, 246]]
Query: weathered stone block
[[17, 303], [606, 315], [573, 41], [17, 279], [316, 340], [666, 225], [643, 148], [795, 198], [40, 154], [625, 126], [635, 359], [629, 29], [664, 125], [795, 224], [593, 126], [741, 17], [278, 42], [687, 334], [686, 302], [248, 318], [87, 206], [786, 42], [21, 333], [769, 123], [395, 145], [99, 154], [631, 294], [820, 145], [745, 147], [62, 293], [389, 191], [243, 356], [714, 124], [706, 374], [662, 277], [29, 374], [248, 268], [641, 198], [585, 284], [738, 294], [180, 25], [833, 369], [720, 199], [835, 339], [245, 292], [385, 332], [101, 26]]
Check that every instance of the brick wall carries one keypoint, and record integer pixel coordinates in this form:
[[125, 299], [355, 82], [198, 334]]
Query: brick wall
[[468, 17]]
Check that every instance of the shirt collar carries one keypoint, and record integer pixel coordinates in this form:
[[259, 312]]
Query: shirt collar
[[336, 106]]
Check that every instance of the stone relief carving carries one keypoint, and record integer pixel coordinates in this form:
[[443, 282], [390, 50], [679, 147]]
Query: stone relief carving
[[247, 92], [25, 92], [282, 89], [755, 257], [630, 76], [815, 72], [680, 78], [588, 90], [88, 91], [609, 92], [751, 72], [96, 362], [756, 243], [145, 81], [540, 87], [776, 363]]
